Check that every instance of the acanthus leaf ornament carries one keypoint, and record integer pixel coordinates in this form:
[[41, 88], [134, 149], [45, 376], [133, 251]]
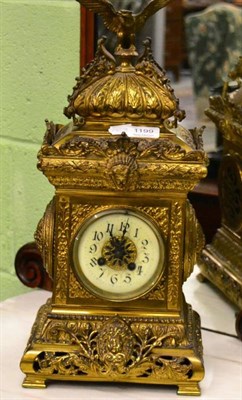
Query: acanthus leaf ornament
[[113, 347]]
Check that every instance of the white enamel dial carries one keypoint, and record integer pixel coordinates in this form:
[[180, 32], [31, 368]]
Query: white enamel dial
[[118, 254]]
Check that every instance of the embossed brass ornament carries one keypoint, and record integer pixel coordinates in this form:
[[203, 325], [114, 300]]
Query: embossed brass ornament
[[123, 22], [221, 261], [120, 237]]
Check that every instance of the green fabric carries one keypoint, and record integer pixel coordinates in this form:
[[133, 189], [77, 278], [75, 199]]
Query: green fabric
[[214, 44]]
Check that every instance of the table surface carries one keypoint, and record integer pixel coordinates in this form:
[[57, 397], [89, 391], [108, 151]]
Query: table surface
[[222, 352]]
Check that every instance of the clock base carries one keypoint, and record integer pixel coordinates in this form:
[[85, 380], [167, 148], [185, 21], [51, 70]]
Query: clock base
[[220, 263], [119, 348]]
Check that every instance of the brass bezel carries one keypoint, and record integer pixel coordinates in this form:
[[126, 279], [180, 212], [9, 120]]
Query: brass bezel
[[105, 295]]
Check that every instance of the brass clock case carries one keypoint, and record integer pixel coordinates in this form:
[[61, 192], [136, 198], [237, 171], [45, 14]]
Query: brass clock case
[[110, 318]]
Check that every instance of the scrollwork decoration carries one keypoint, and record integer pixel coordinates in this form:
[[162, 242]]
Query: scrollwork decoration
[[114, 349]]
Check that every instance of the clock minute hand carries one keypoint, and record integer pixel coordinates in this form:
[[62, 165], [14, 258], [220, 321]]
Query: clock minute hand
[[125, 228]]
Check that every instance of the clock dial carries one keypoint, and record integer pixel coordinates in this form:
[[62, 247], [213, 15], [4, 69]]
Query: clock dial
[[118, 254]]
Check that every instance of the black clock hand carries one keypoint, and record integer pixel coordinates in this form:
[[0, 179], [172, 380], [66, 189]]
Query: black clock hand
[[125, 228]]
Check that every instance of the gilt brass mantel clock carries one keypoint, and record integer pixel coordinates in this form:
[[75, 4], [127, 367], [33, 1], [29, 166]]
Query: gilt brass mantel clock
[[119, 238]]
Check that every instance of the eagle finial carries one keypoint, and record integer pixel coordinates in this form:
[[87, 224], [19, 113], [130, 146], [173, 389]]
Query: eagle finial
[[124, 23]]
